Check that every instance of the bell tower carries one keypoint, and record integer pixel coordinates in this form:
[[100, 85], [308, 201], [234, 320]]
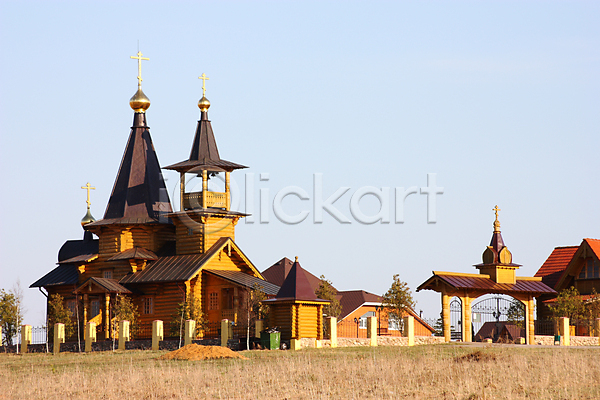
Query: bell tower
[[204, 216]]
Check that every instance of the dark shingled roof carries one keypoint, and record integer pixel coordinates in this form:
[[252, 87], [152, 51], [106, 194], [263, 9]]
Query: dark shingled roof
[[296, 286], [73, 248], [84, 258], [204, 154], [350, 300], [277, 273], [135, 253], [139, 195], [65, 274], [245, 280]]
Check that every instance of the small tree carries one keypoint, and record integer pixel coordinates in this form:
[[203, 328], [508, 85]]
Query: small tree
[[191, 308], [516, 313], [11, 315], [398, 299], [592, 311], [125, 310], [255, 309], [58, 313], [568, 304], [326, 291]]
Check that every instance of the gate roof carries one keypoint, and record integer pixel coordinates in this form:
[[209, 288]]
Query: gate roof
[[480, 282]]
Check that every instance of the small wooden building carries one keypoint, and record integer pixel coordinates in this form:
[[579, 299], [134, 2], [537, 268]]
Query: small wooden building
[[296, 310]]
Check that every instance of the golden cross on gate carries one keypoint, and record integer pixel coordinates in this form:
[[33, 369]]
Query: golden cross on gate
[[139, 58], [204, 79], [496, 209], [88, 187]]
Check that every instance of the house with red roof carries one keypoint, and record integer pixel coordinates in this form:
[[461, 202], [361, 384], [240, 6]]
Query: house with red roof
[[577, 266], [357, 305]]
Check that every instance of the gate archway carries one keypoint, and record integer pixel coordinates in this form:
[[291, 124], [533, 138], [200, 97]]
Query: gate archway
[[496, 309], [455, 319]]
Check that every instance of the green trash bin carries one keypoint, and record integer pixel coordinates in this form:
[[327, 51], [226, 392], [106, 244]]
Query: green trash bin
[[270, 341]]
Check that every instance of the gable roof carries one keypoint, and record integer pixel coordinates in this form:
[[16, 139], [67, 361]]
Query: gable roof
[[351, 300], [135, 253], [104, 284], [555, 264], [277, 273], [586, 249], [245, 280], [183, 267], [139, 194]]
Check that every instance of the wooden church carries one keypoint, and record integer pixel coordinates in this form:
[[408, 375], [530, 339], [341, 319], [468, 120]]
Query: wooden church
[[157, 256]]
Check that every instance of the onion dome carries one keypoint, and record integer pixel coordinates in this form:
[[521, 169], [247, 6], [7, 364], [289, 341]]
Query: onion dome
[[140, 102], [87, 218], [203, 104]]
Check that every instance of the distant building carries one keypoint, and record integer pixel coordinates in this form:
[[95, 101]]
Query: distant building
[[577, 266]]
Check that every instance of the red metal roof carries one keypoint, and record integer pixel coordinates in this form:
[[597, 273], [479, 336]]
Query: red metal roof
[[486, 284], [555, 264]]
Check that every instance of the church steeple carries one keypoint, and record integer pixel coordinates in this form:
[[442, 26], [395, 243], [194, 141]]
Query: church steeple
[[497, 259], [204, 161], [139, 194]]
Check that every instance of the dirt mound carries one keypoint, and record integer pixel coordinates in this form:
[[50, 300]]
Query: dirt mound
[[476, 356], [197, 352]]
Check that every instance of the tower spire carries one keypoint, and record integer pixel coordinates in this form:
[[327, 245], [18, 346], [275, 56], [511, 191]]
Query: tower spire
[[496, 222], [88, 217], [139, 102], [203, 103]]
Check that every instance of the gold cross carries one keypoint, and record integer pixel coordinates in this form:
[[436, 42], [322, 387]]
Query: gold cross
[[88, 187], [204, 79], [496, 209], [139, 58]]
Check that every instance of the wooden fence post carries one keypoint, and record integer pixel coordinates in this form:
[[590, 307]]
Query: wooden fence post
[[333, 330], [409, 329], [258, 327], [190, 331], [564, 331], [157, 334], [59, 336], [25, 337], [123, 334], [90, 336], [372, 330], [225, 326]]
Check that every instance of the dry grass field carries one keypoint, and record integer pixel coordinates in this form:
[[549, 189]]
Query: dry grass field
[[424, 372]]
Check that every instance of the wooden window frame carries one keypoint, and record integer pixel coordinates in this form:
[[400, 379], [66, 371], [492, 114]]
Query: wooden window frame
[[148, 305]]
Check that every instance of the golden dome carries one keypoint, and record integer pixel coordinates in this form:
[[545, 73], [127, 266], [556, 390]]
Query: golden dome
[[203, 104], [139, 102], [88, 217]]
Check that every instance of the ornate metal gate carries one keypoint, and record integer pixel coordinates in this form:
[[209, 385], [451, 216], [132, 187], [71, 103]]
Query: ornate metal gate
[[492, 308]]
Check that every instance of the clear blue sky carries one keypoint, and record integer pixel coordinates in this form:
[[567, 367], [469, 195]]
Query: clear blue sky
[[500, 99]]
